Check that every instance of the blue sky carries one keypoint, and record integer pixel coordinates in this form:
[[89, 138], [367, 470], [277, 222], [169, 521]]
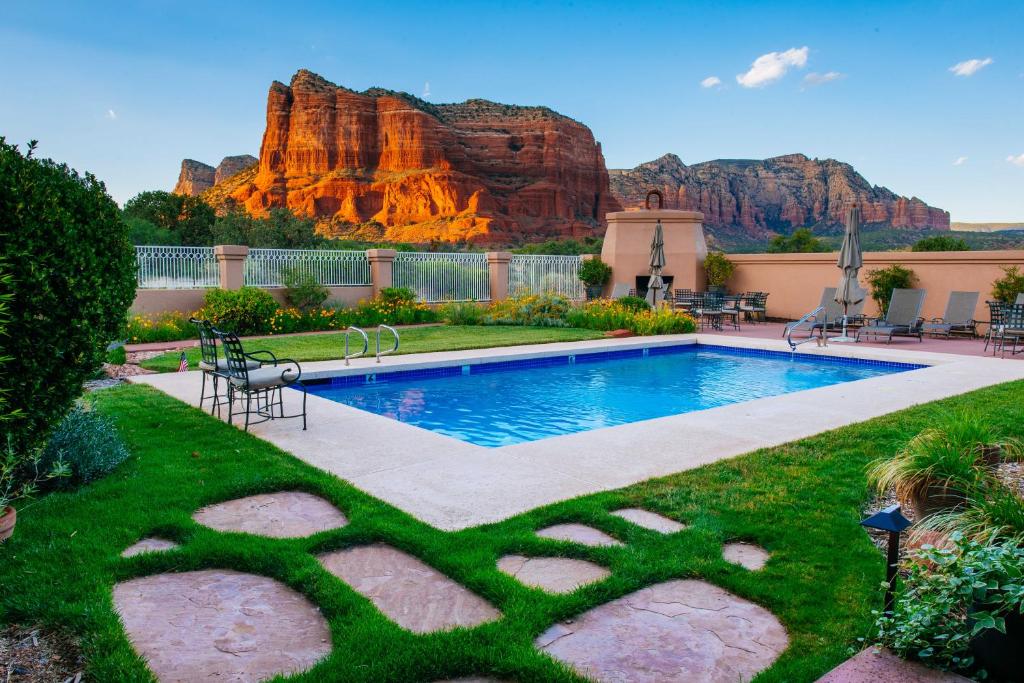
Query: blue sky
[[129, 90]]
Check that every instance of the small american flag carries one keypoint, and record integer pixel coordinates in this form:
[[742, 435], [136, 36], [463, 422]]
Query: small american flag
[[183, 363]]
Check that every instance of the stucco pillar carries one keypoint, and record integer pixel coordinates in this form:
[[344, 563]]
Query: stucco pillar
[[627, 246], [231, 262], [497, 267], [381, 268]]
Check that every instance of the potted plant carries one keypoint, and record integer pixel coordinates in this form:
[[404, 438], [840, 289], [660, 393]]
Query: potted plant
[[718, 269], [595, 274], [941, 466]]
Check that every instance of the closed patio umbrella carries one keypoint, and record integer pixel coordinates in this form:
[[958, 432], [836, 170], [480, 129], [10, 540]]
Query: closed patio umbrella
[[849, 291], [655, 284]]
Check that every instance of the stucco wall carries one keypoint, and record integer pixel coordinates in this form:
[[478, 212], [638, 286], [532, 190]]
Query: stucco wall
[[794, 281]]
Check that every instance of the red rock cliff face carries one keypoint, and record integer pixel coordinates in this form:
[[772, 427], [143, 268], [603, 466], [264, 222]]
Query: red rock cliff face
[[195, 177], [475, 171], [762, 197]]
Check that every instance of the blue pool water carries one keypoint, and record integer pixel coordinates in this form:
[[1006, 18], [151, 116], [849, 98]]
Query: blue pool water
[[497, 404]]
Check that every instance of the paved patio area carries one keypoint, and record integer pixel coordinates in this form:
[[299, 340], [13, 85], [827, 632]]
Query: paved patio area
[[959, 345], [453, 484]]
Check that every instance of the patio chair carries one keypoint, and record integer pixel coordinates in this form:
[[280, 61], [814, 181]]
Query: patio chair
[[731, 309], [754, 306], [902, 319], [959, 316], [1019, 300], [619, 290], [996, 317], [708, 309], [1011, 331], [683, 298], [264, 383], [210, 363]]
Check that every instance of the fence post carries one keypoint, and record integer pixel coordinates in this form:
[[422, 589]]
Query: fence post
[[381, 268], [231, 262], [497, 268]]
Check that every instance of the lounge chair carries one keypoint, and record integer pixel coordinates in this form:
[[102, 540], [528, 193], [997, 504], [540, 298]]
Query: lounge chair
[[959, 316], [264, 383], [1011, 330], [619, 290], [823, 319], [211, 364], [902, 319]]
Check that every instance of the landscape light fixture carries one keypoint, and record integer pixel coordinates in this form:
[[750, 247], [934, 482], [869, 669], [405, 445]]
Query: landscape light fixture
[[890, 519]]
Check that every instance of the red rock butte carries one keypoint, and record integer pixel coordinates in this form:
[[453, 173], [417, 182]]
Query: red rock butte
[[476, 171]]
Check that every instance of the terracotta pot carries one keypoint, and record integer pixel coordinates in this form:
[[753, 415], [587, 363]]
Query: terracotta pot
[[932, 498], [7, 522]]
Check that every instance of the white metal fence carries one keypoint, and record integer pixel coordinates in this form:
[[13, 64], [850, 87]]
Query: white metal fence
[[331, 268], [443, 276], [176, 267], [540, 274]]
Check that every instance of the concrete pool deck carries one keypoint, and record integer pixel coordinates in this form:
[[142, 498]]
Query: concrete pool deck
[[453, 484]]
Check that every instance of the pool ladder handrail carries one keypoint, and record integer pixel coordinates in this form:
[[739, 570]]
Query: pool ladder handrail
[[790, 328], [366, 342], [394, 348]]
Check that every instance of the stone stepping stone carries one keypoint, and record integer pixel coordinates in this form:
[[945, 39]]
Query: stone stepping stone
[[552, 574], [747, 555], [649, 520], [579, 533], [220, 625], [148, 545], [875, 665], [286, 514], [413, 594], [685, 630]]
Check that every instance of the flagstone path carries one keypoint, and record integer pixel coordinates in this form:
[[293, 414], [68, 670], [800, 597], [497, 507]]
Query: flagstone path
[[746, 555], [413, 594], [650, 520], [148, 545], [285, 514], [579, 533], [552, 574], [684, 631], [220, 625]]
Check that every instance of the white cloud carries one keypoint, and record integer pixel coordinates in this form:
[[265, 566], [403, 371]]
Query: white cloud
[[426, 89], [1016, 160], [711, 82], [773, 66], [960, 161], [970, 67], [814, 78], [111, 114]]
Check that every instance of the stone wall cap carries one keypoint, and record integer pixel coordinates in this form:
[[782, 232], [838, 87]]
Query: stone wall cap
[[381, 254], [645, 215], [499, 256], [231, 251]]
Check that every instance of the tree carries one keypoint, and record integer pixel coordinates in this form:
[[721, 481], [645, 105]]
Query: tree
[[940, 243], [802, 241], [190, 218], [72, 274], [141, 231]]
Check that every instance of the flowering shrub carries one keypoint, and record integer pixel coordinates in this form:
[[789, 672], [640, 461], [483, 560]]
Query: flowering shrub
[[539, 310], [170, 326], [605, 314]]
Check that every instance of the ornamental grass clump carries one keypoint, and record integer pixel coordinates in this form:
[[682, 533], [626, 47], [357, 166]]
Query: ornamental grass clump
[[86, 445]]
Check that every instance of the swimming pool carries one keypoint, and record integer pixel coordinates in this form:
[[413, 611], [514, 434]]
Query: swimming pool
[[503, 403]]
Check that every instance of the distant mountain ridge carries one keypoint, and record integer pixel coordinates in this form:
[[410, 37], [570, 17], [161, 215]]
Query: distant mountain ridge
[[985, 227], [757, 198]]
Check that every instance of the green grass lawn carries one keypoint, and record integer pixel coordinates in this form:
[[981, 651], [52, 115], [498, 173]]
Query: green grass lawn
[[331, 345], [801, 501]]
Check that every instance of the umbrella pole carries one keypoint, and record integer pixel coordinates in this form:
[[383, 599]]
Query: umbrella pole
[[844, 338]]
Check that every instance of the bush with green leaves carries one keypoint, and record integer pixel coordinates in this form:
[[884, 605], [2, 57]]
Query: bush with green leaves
[[244, 311], [940, 243], [718, 268], [72, 280], [86, 444], [538, 310], [595, 272], [950, 596], [883, 280], [1007, 288], [802, 241], [462, 313], [302, 289], [633, 303]]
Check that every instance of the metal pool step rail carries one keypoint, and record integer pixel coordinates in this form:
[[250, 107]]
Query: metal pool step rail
[[366, 342], [792, 327], [394, 348]]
